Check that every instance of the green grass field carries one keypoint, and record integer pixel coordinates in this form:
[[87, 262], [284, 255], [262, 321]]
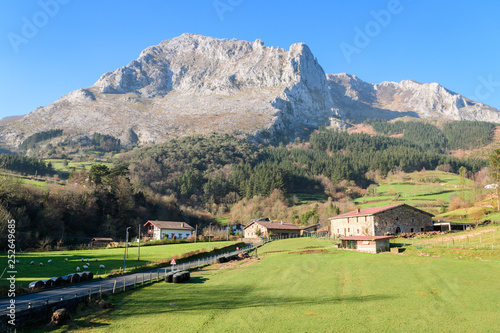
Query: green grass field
[[58, 164], [306, 285], [111, 258]]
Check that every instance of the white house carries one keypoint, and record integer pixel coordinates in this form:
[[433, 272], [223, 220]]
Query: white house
[[168, 230]]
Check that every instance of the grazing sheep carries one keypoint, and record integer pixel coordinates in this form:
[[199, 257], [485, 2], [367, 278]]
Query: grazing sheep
[[82, 259], [49, 261], [87, 260], [95, 259], [85, 267], [78, 269], [32, 263], [41, 264], [17, 261], [101, 266], [65, 259]]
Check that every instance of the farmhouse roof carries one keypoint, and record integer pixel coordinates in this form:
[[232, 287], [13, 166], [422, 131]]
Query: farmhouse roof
[[312, 227], [275, 225], [102, 239], [370, 238], [374, 211], [170, 225]]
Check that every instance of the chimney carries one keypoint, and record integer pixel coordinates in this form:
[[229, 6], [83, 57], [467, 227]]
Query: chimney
[[358, 210]]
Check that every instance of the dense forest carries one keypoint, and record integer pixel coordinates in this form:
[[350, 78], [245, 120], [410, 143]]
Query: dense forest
[[25, 165], [181, 178], [32, 140], [223, 169], [454, 135]]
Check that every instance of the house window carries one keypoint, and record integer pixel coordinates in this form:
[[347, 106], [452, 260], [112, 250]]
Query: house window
[[365, 218], [397, 218], [348, 229], [422, 229], [411, 229], [357, 231]]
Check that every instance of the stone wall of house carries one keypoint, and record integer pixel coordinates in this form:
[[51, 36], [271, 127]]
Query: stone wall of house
[[405, 218], [251, 231], [353, 226]]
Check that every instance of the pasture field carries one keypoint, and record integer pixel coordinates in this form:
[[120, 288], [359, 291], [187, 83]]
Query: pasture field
[[111, 258], [58, 164], [307, 285], [431, 191]]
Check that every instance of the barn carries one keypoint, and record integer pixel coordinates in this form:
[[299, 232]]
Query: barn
[[370, 244], [381, 221], [257, 229]]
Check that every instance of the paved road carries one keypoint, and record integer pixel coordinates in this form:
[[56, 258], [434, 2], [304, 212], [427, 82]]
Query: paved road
[[94, 287]]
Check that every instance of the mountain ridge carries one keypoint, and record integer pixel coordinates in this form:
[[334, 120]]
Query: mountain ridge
[[194, 84]]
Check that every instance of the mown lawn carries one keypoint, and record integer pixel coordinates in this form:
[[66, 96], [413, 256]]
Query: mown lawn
[[111, 258], [306, 285]]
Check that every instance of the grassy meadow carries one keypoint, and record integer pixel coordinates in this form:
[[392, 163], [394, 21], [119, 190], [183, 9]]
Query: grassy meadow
[[431, 191], [111, 258], [307, 285]]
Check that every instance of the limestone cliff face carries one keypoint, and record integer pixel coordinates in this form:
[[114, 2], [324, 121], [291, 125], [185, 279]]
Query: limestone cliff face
[[193, 84], [360, 100]]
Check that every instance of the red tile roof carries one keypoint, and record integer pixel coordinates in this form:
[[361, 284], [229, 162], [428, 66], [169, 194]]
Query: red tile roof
[[102, 239], [170, 225], [374, 211], [275, 226], [365, 237]]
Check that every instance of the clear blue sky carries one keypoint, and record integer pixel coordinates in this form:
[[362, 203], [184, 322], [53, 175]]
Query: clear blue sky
[[454, 43]]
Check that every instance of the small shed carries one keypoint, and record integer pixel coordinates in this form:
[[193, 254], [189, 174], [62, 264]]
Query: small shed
[[100, 241], [310, 229], [370, 244]]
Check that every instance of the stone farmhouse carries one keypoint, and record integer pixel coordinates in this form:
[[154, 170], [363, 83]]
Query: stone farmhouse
[[257, 229], [168, 230], [381, 221]]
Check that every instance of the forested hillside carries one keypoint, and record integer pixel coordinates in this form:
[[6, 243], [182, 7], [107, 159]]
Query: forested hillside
[[189, 178], [223, 169], [454, 135]]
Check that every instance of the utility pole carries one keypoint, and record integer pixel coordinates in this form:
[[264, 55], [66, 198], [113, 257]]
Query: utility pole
[[227, 226], [125, 254], [209, 228], [139, 248], [196, 234]]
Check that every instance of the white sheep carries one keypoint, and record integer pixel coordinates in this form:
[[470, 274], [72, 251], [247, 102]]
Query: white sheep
[[49, 261], [95, 259], [85, 267], [82, 259], [78, 269], [87, 260], [17, 261], [65, 259], [41, 264], [101, 266], [32, 263]]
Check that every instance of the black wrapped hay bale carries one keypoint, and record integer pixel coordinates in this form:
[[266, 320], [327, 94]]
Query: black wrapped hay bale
[[36, 285], [57, 281], [169, 277]]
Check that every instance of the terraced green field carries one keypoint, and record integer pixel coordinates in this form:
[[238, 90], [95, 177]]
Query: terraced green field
[[307, 285]]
